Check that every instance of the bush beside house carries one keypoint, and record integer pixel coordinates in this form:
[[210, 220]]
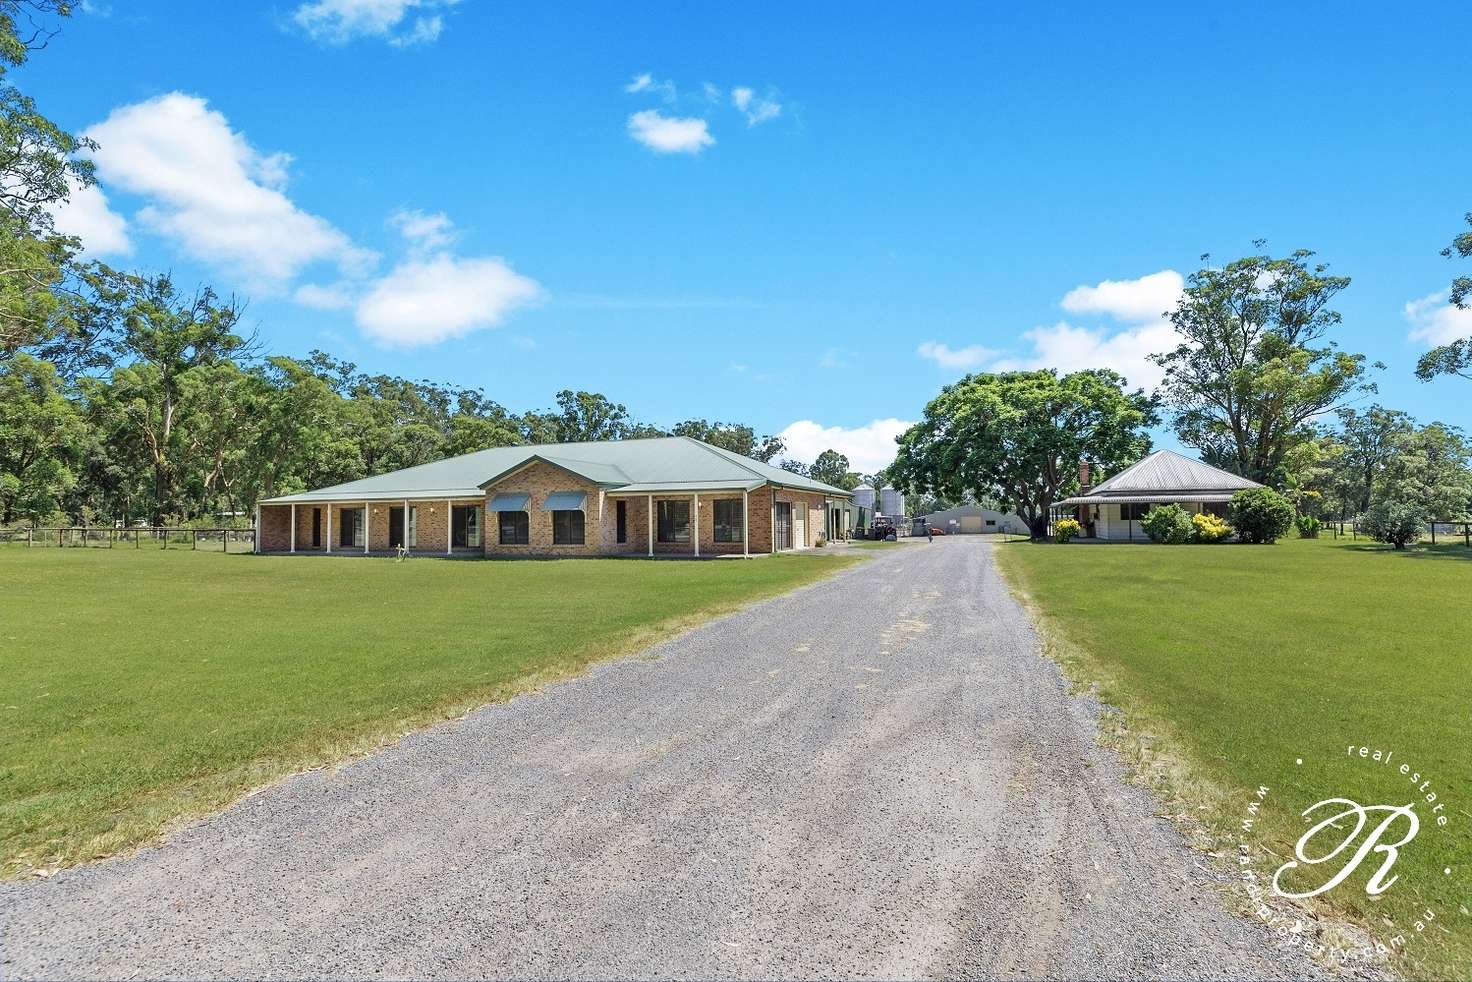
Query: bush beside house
[[1260, 515], [1168, 524]]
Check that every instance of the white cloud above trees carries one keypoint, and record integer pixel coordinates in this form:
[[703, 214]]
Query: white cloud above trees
[[212, 194], [218, 200], [1434, 321], [1135, 329], [868, 447], [87, 215]]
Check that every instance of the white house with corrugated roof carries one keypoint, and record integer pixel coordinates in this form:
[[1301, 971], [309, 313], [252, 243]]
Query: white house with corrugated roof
[[1113, 509]]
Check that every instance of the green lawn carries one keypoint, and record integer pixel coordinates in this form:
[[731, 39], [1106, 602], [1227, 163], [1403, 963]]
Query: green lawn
[[1231, 663], [143, 686]]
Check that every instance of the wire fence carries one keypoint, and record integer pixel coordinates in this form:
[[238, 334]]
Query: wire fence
[[153, 537], [1450, 531]]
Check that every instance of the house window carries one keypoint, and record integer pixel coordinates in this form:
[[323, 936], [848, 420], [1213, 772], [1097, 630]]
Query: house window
[[622, 508], [567, 527], [413, 534], [674, 521], [728, 520], [1217, 508], [1134, 511], [350, 533], [515, 529]]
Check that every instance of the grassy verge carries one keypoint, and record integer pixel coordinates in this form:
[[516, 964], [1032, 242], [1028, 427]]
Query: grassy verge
[[145, 687], [1231, 664]]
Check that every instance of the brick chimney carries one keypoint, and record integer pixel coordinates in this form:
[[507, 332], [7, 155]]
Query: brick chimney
[[1083, 476]]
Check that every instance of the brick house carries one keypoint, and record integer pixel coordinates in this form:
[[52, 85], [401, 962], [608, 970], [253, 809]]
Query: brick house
[[661, 496]]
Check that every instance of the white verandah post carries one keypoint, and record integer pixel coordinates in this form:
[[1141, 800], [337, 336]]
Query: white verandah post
[[649, 524], [746, 524], [329, 528], [293, 526], [367, 528], [404, 533], [449, 528], [256, 547], [695, 527]]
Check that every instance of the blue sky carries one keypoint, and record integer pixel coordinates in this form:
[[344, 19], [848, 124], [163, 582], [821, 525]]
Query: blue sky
[[797, 216]]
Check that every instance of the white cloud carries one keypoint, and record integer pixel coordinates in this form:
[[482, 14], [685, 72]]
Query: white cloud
[[212, 193], [401, 23], [87, 216], [1136, 306], [425, 300], [1130, 301], [1070, 348], [646, 82], [670, 134], [868, 448], [424, 231], [945, 356], [836, 358], [756, 109], [1435, 321]]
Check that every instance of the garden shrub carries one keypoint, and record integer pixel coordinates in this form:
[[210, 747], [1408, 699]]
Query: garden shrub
[[1392, 522], [1065, 529], [1308, 526], [1260, 515], [1168, 524], [1210, 528]]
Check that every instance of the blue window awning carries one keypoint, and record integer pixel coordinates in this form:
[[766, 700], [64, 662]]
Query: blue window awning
[[509, 502], [565, 501]]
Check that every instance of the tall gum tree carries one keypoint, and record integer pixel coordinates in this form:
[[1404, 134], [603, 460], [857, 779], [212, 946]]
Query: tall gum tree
[[1017, 438], [1255, 368]]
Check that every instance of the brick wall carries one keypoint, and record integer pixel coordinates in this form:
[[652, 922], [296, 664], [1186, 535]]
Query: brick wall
[[540, 480]]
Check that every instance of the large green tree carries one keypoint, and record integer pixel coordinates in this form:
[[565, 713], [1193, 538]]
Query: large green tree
[[1017, 438], [1370, 439], [1255, 367], [40, 432], [831, 467], [1454, 358], [735, 437]]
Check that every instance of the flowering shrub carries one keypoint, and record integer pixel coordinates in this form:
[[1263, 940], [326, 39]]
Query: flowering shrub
[[1209, 528], [1260, 515], [1308, 526], [1065, 529], [1393, 523], [1170, 524]]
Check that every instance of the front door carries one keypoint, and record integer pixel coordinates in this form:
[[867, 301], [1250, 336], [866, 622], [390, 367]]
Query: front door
[[395, 527], [782, 526], [800, 527]]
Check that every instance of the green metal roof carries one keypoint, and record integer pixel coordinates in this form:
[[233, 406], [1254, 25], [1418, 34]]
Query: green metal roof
[[650, 466]]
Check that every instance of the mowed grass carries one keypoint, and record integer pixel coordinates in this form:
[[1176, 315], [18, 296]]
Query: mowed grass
[[140, 687], [1231, 663]]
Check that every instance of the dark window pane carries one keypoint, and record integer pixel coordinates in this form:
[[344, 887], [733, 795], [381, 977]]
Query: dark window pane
[[674, 521], [623, 521], [567, 528], [514, 528], [728, 520]]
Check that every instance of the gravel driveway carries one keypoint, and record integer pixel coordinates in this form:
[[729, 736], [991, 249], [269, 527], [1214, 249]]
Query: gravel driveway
[[877, 777]]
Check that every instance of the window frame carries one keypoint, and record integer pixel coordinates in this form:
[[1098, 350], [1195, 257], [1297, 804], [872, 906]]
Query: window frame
[[735, 524], [525, 528], [1134, 511], [569, 527], [668, 522]]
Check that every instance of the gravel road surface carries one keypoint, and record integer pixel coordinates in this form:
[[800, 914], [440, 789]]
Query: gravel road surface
[[875, 777]]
